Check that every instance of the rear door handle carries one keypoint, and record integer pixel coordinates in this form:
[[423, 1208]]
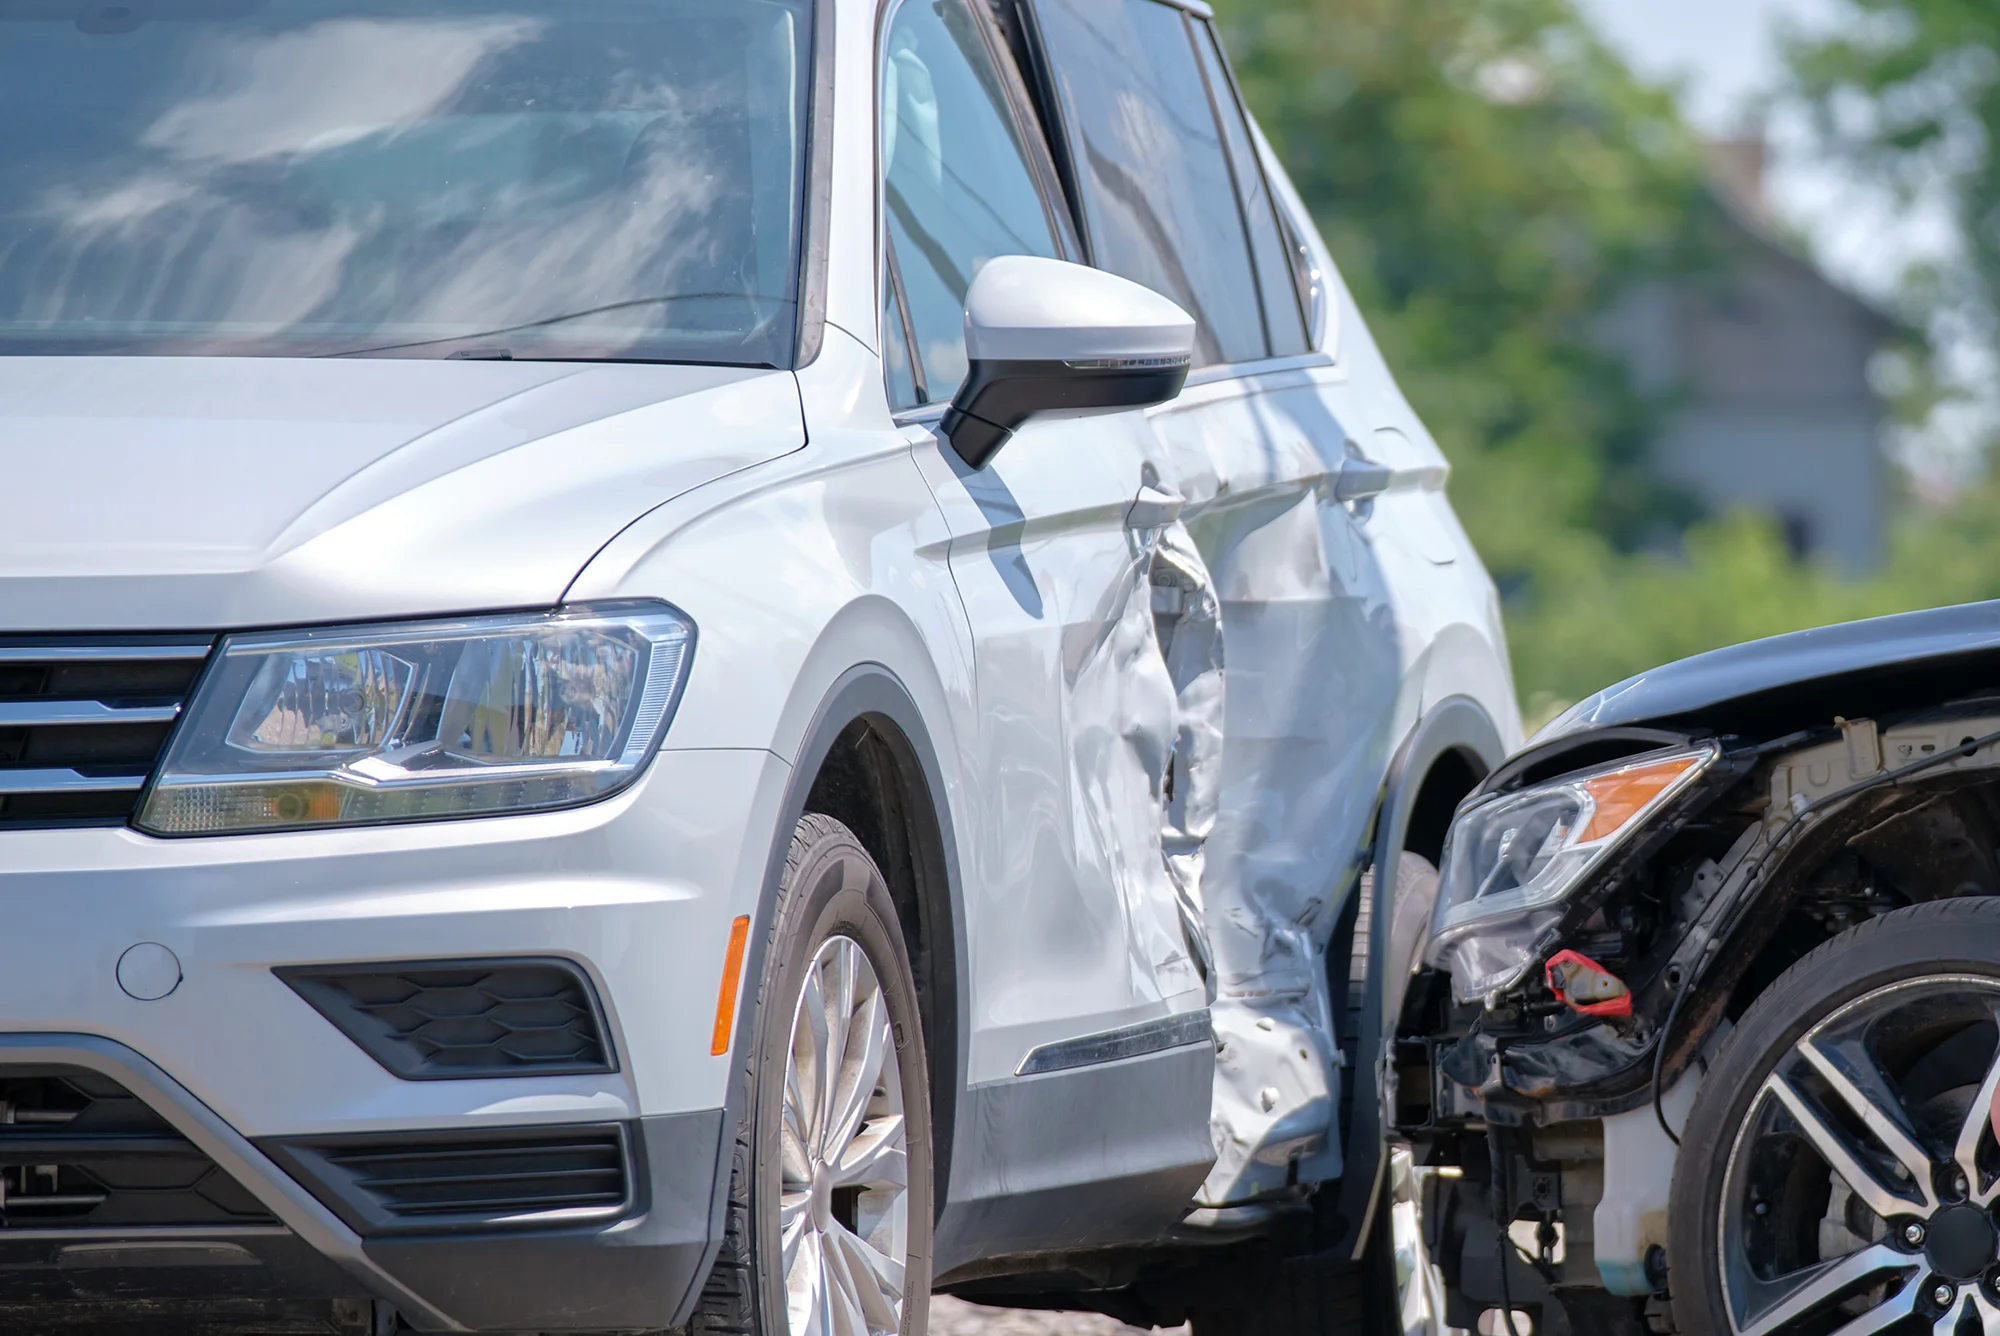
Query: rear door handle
[[1153, 509], [1358, 479]]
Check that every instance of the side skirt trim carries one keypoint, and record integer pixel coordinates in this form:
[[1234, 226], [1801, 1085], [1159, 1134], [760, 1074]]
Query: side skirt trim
[[1128, 1041]]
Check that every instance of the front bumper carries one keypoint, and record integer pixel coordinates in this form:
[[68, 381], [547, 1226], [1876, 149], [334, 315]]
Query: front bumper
[[637, 892]]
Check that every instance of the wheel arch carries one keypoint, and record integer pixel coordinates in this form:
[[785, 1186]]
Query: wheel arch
[[1453, 746], [867, 756]]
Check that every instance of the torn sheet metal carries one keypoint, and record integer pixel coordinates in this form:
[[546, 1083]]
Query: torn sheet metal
[[1274, 1101], [1120, 711], [1187, 618]]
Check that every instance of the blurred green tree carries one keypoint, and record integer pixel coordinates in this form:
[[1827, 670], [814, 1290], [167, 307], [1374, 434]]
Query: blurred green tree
[[1489, 177]]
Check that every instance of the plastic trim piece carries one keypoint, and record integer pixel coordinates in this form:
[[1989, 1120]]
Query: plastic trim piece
[[71, 652], [354, 1175], [298, 1209], [321, 987], [66, 781], [1129, 1041], [40, 713]]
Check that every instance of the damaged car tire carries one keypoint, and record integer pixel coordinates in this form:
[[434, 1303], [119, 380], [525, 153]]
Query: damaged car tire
[[829, 1214], [1839, 1173]]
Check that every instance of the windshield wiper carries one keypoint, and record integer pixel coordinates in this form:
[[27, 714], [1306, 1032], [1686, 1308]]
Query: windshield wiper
[[507, 355]]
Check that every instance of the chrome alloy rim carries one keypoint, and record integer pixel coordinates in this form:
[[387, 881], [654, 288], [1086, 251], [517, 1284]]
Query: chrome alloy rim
[[1861, 1188], [843, 1196]]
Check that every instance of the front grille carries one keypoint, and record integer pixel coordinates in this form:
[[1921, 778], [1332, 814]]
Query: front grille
[[441, 1180], [442, 1020], [82, 723], [79, 1151]]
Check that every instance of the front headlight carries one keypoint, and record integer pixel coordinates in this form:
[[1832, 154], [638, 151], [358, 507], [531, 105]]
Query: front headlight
[[421, 720], [1510, 861]]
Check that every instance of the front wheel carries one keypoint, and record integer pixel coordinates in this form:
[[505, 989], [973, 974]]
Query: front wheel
[[1838, 1175], [829, 1224]]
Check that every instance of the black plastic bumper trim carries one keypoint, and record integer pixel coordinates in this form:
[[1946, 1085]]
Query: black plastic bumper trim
[[413, 1056], [641, 1272], [235, 1155], [1130, 1041]]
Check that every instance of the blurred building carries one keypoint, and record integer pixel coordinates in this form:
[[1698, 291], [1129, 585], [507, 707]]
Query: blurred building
[[1766, 360]]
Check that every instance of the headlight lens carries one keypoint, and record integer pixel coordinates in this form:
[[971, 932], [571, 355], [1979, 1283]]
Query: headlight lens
[[421, 720], [1509, 862]]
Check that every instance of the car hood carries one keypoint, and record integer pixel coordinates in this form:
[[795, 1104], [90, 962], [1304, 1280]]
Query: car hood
[[206, 493], [1770, 687]]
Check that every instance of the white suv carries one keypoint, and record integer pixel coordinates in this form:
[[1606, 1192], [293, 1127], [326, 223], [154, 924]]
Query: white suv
[[693, 662]]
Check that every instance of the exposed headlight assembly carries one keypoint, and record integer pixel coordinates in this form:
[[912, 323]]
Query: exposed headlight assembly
[[421, 720], [1511, 861]]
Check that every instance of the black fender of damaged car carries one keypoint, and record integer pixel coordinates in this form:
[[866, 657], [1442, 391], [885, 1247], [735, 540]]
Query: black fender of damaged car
[[1765, 688]]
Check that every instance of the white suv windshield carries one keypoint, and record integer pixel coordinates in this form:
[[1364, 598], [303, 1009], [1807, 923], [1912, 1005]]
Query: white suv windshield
[[590, 179]]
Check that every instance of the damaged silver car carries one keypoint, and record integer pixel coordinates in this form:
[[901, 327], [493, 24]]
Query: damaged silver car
[[1706, 1034]]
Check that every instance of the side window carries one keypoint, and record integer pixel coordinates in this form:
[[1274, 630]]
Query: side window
[[1277, 279], [958, 189], [1158, 197]]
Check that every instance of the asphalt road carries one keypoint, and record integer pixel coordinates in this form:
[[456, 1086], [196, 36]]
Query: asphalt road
[[951, 1317]]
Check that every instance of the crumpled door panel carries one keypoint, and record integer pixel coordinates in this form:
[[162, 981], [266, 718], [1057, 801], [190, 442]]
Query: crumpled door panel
[[1295, 747]]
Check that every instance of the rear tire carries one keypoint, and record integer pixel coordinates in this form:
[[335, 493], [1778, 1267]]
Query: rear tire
[[824, 1214]]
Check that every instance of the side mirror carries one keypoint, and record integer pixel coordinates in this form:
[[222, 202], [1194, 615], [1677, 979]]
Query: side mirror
[[1045, 336]]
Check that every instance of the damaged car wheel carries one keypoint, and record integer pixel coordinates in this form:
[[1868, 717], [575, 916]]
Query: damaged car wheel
[[1838, 1174]]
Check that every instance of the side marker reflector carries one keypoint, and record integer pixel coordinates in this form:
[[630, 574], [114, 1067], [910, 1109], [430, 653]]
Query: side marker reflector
[[732, 976]]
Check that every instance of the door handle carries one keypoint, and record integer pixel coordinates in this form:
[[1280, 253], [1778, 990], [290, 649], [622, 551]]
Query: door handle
[[1359, 479], [1153, 509]]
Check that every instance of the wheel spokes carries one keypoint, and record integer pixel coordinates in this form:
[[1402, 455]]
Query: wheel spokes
[[1839, 1156], [805, 1280], [1978, 1119], [843, 1307], [837, 972], [875, 1158], [860, 1069], [1989, 1314], [1828, 1284], [1885, 1314], [844, 1273], [875, 1281], [1877, 1109], [810, 1059]]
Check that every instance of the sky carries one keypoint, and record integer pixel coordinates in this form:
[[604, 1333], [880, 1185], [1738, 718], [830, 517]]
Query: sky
[[1724, 48]]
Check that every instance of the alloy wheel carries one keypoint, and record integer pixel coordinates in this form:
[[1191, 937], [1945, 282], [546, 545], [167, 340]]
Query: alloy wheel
[[843, 1210], [1860, 1191]]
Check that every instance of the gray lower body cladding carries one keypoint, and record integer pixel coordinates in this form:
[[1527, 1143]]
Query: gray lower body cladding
[[171, 1220]]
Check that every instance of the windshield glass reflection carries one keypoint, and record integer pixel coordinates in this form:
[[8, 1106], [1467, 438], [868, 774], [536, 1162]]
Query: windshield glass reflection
[[448, 178]]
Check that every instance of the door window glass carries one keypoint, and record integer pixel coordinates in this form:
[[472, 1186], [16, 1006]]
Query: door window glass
[[959, 189], [1284, 323], [1158, 199]]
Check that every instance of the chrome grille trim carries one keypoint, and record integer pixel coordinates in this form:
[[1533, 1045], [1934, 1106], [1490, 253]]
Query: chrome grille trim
[[84, 719], [106, 653], [31, 713], [67, 781]]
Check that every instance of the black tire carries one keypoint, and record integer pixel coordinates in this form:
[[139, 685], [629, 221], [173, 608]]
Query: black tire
[[831, 889], [1956, 943]]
